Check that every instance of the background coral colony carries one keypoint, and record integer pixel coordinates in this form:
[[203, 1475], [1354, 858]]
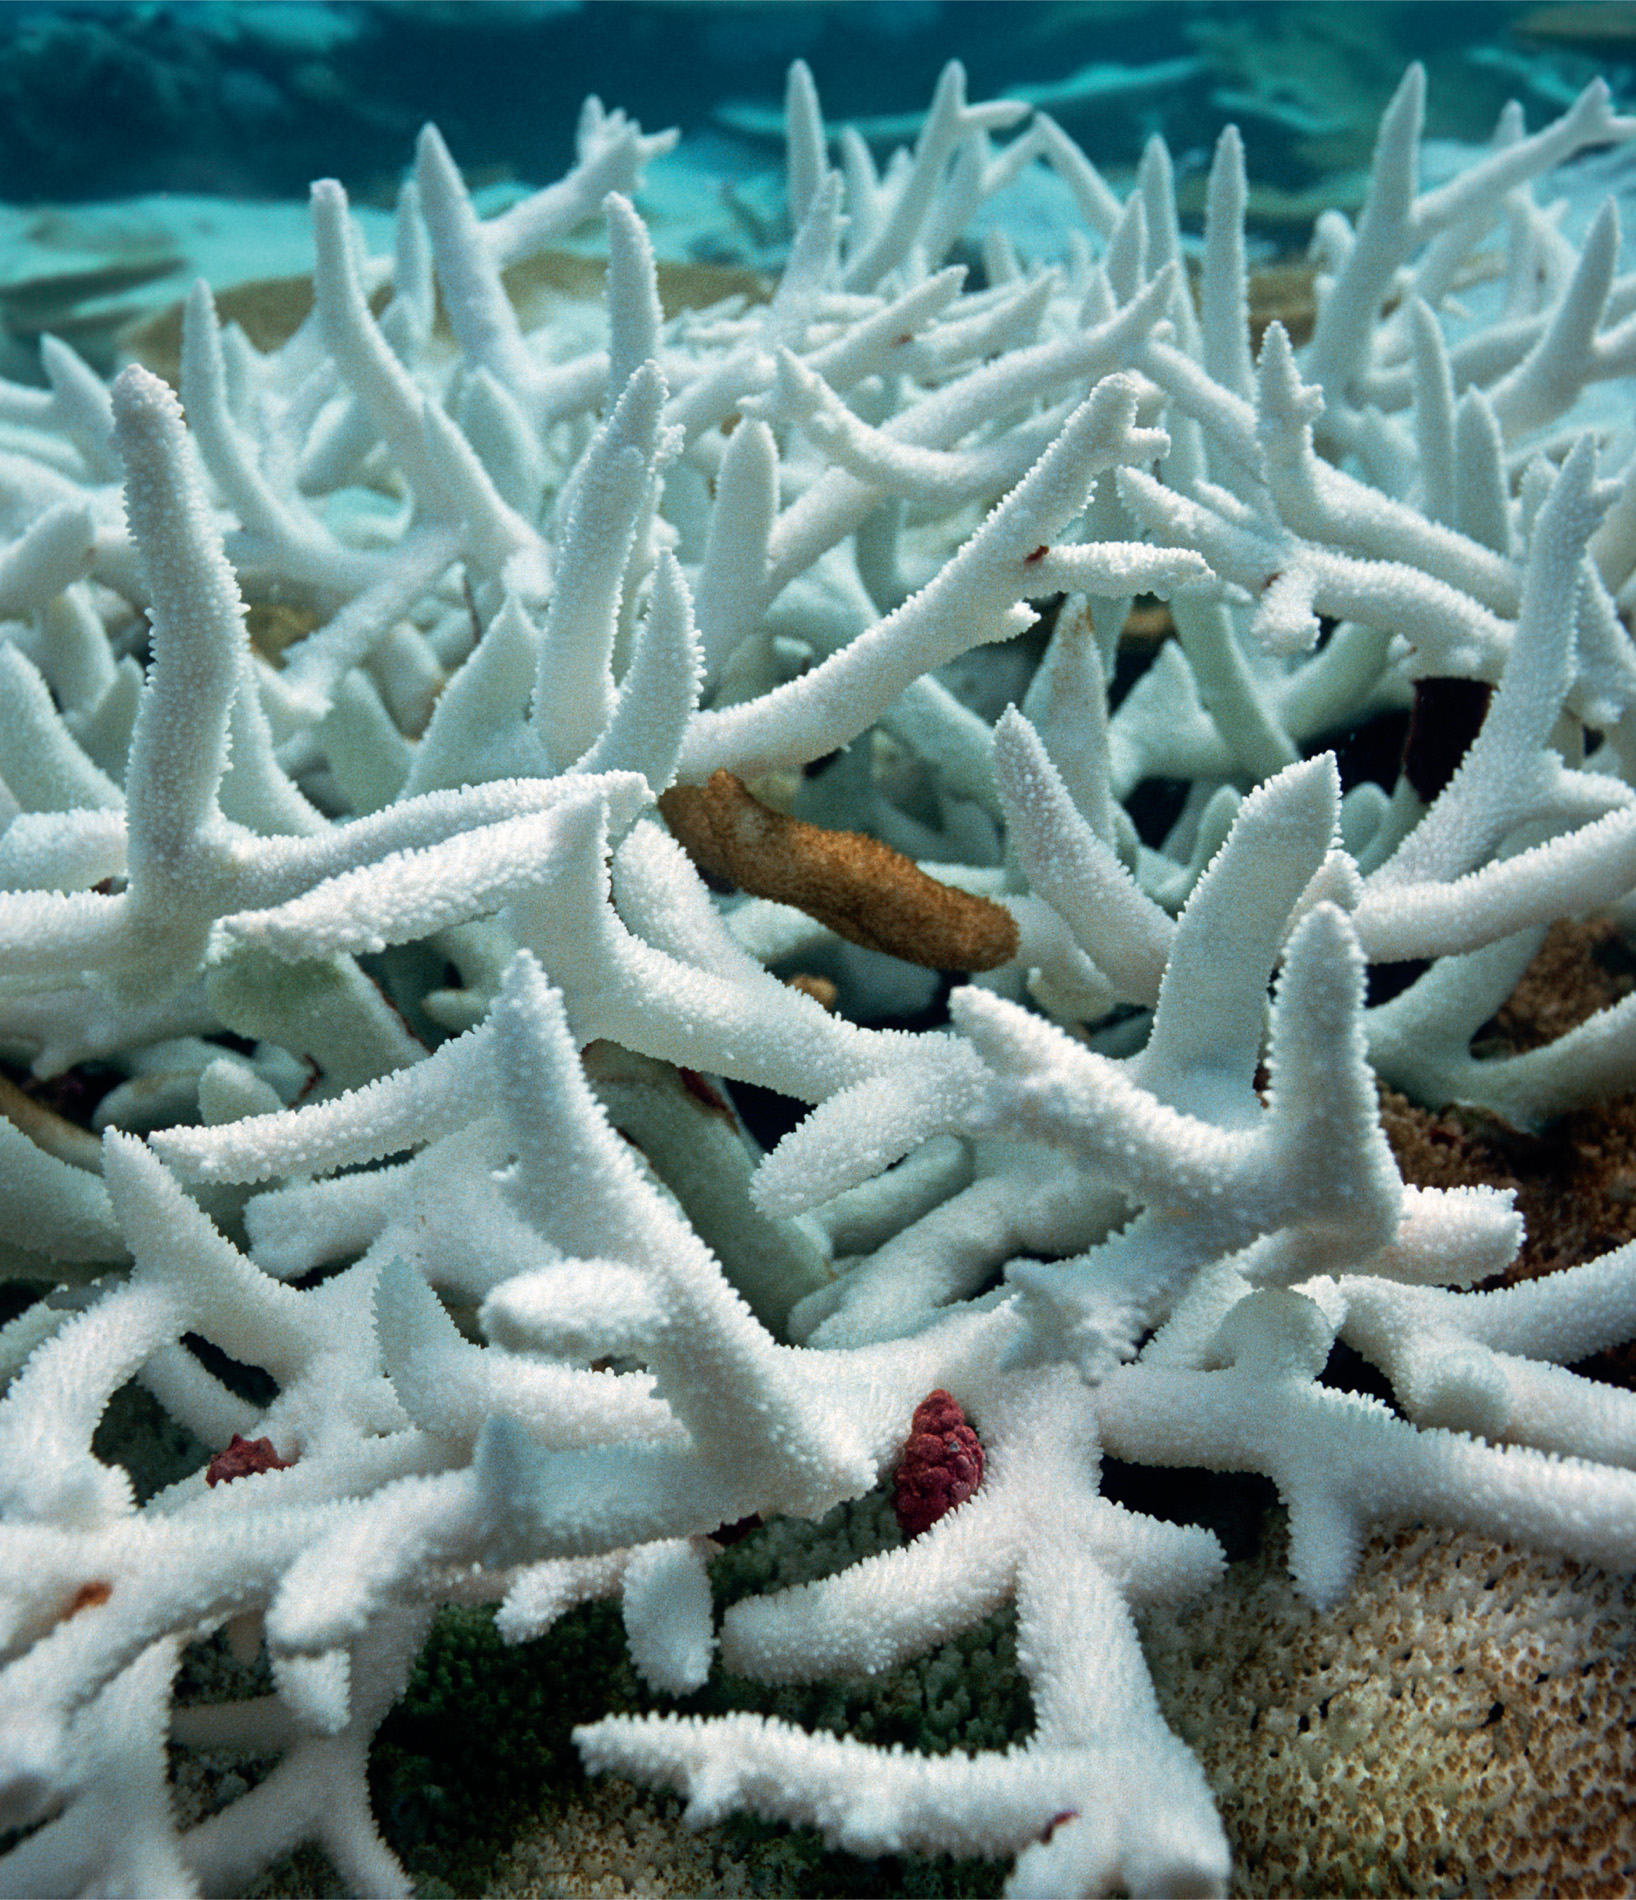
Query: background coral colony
[[812, 954]]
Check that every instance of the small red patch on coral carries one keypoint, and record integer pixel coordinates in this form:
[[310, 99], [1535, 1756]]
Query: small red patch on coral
[[703, 1091], [737, 1531], [243, 1458], [88, 1596], [942, 1464], [1056, 1821], [1039, 554]]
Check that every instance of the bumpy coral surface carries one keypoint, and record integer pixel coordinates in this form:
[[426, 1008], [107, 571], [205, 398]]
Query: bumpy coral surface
[[1462, 1726], [942, 1464], [390, 1009]]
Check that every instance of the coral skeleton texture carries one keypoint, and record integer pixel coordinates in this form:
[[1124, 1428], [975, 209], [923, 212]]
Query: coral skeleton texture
[[522, 1320]]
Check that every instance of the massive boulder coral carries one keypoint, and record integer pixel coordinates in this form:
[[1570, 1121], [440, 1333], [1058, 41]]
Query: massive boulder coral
[[419, 1009]]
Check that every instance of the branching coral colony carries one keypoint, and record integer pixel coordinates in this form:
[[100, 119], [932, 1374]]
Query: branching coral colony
[[1121, 1205]]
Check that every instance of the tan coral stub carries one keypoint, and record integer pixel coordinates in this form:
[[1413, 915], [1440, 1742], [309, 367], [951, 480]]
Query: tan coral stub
[[854, 885], [822, 991], [49, 1130]]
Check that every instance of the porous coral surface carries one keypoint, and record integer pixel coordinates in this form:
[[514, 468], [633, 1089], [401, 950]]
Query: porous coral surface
[[1464, 1727]]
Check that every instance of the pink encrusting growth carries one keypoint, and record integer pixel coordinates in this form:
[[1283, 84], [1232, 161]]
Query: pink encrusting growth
[[244, 1458], [942, 1464]]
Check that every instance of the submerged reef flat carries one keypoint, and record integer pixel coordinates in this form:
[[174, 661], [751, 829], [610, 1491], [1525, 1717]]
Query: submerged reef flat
[[141, 146], [810, 1040]]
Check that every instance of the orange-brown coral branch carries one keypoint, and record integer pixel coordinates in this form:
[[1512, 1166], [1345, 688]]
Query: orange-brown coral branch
[[861, 889]]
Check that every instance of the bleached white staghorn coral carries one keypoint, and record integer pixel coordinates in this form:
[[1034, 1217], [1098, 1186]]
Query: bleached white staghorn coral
[[420, 1005]]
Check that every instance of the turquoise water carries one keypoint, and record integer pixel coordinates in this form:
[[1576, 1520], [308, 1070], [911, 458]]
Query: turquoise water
[[146, 143], [102, 100]]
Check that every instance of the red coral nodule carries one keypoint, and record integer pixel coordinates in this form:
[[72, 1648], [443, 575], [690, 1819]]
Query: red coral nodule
[[942, 1464], [243, 1458]]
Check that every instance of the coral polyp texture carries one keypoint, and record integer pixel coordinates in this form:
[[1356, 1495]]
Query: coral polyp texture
[[645, 736]]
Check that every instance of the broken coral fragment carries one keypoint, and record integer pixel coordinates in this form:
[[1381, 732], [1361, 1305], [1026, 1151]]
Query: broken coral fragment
[[856, 886]]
